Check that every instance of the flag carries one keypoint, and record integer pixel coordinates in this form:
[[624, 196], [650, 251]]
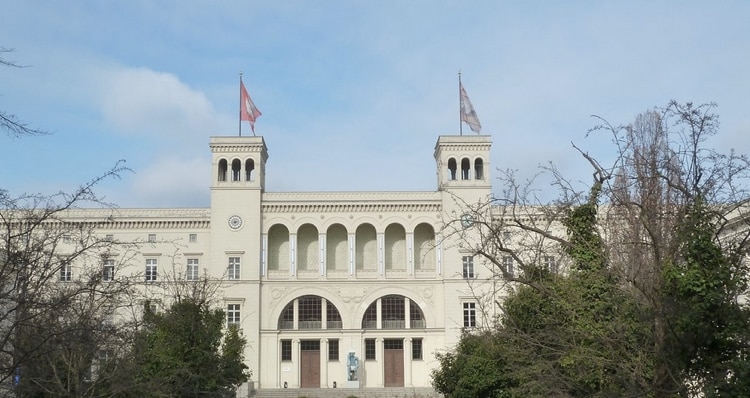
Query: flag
[[248, 111], [468, 115]]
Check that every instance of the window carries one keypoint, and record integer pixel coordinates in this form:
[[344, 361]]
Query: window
[[416, 349], [108, 270], [452, 168], [249, 168], [109, 237], [152, 238], [479, 169], [550, 264], [236, 165], [470, 315], [191, 272], [233, 315], [192, 238], [222, 170], [233, 270], [66, 238], [369, 349], [150, 269], [286, 350], [508, 265], [465, 166], [333, 349], [66, 272], [506, 235], [468, 267]]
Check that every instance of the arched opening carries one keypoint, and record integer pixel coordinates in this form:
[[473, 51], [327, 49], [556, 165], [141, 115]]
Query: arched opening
[[367, 248], [395, 248], [278, 248], [424, 247], [479, 169], [465, 166], [307, 248], [249, 170], [336, 248], [393, 314], [236, 166], [222, 170], [310, 314], [452, 167]]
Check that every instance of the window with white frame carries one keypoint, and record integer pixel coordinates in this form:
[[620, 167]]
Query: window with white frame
[[151, 268], [508, 265], [416, 349], [191, 271], [152, 238], [108, 270], [233, 270], [66, 272], [233, 315], [468, 262], [470, 315], [550, 264], [286, 350], [192, 238]]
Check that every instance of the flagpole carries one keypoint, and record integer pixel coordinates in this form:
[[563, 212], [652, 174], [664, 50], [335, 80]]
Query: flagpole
[[239, 128], [460, 124]]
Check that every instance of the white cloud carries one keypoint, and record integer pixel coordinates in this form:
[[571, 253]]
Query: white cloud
[[172, 181], [140, 101]]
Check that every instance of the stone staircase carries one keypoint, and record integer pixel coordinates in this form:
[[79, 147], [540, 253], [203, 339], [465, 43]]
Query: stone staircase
[[389, 392]]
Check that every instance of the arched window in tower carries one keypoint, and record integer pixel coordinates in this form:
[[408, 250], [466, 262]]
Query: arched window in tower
[[465, 166], [249, 170], [236, 166], [222, 170], [452, 167], [479, 169]]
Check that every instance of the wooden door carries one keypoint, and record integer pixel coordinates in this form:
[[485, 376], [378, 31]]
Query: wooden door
[[310, 364], [393, 363]]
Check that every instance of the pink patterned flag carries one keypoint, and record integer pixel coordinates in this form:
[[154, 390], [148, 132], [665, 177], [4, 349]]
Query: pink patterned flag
[[248, 111], [468, 115]]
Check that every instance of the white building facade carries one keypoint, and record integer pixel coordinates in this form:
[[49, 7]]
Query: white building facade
[[334, 289]]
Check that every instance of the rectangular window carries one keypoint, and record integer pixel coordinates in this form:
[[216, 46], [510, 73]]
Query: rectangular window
[[233, 315], [66, 272], [369, 349], [191, 272], [152, 238], [150, 269], [108, 270], [286, 350], [508, 265], [468, 267], [66, 238], [333, 349], [470, 315], [233, 270], [109, 237], [550, 263], [416, 349], [192, 238]]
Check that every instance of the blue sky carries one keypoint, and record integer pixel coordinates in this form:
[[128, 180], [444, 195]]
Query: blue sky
[[353, 93]]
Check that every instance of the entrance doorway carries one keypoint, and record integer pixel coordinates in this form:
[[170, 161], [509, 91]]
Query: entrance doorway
[[309, 364], [393, 363]]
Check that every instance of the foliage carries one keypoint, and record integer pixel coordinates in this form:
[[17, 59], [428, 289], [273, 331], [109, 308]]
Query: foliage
[[651, 301], [180, 352]]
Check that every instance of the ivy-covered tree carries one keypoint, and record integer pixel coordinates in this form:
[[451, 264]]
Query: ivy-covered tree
[[649, 300]]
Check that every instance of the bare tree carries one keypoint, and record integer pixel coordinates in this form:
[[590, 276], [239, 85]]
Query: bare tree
[[9, 122]]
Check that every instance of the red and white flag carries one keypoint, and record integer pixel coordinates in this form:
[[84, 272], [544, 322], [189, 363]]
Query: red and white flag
[[468, 115], [248, 110]]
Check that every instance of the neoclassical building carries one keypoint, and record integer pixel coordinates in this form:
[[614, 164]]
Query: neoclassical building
[[331, 289]]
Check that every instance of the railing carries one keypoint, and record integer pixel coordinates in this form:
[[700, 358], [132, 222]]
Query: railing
[[335, 325], [394, 324], [310, 324], [369, 324], [286, 325], [418, 324]]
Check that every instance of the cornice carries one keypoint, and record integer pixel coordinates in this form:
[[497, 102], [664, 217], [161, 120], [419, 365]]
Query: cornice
[[359, 202]]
